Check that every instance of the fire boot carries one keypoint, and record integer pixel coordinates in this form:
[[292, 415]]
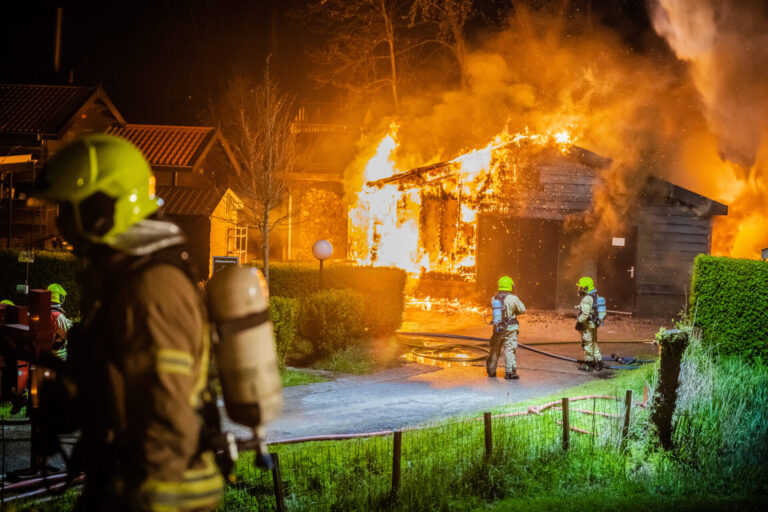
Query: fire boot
[[598, 365], [511, 375], [492, 375], [586, 367]]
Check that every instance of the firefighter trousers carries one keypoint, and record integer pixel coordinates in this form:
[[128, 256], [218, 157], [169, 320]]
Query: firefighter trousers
[[507, 339]]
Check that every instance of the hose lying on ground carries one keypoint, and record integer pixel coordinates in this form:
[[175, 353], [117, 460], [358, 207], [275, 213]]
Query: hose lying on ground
[[485, 340]]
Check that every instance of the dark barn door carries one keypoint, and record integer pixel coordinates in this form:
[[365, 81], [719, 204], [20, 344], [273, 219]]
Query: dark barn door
[[524, 249], [616, 271]]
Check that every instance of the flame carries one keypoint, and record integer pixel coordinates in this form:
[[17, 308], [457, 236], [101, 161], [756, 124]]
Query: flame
[[384, 222]]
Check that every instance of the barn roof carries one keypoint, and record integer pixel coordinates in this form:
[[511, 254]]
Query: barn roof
[[27, 109], [566, 182], [191, 201]]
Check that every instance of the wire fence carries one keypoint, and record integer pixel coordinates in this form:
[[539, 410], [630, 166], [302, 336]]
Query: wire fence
[[401, 469], [413, 469]]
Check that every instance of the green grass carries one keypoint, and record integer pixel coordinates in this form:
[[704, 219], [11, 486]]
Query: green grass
[[363, 357], [719, 463], [297, 377], [607, 501]]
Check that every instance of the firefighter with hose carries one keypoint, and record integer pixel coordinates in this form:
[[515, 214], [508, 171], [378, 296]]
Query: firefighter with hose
[[139, 359], [587, 322], [506, 306]]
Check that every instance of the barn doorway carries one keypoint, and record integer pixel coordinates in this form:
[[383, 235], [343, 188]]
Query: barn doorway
[[616, 270], [526, 250]]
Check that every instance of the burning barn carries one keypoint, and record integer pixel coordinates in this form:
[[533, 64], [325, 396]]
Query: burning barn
[[526, 206]]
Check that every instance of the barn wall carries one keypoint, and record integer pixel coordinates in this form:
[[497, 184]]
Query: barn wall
[[669, 238]]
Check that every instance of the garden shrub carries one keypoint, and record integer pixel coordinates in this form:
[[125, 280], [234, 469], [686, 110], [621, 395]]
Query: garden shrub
[[382, 289], [728, 301], [331, 319], [284, 313], [49, 267]]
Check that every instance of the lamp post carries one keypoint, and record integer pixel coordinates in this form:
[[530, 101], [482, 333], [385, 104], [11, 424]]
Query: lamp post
[[322, 250]]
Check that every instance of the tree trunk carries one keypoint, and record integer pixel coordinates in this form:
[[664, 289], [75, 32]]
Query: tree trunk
[[392, 54], [265, 244], [673, 344]]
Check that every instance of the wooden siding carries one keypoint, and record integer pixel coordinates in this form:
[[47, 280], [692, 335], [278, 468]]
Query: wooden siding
[[669, 238]]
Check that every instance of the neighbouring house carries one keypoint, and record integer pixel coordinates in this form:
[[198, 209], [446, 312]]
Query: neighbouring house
[[209, 218], [532, 224], [315, 207], [35, 121], [193, 166]]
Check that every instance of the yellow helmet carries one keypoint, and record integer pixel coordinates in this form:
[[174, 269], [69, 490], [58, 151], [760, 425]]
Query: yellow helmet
[[58, 293], [505, 284], [107, 182], [586, 284]]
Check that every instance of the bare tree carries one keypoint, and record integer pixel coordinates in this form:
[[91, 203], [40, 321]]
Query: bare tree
[[256, 118], [363, 43], [450, 16]]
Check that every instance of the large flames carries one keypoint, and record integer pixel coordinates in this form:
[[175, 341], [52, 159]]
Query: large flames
[[385, 219]]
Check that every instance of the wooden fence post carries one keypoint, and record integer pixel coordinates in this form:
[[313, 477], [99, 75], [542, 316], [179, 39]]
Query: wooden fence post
[[397, 444], [488, 434], [627, 414], [566, 425], [277, 478]]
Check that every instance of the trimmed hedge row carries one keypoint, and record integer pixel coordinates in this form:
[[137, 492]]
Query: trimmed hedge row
[[49, 267], [331, 319], [729, 299], [382, 289], [284, 313]]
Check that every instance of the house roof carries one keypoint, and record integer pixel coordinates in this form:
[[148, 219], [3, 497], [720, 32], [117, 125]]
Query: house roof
[[192, 201], [176, 146], [45, 109], [704, 206]]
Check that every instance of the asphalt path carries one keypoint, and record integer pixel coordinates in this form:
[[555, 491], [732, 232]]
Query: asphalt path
[[408, 395], [416, 394]]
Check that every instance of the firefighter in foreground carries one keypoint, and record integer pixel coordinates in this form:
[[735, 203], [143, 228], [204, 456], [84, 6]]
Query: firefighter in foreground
[[587, 323], [506, 306], [139, 359]]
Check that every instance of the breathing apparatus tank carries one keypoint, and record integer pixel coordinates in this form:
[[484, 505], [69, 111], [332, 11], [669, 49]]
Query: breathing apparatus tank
[[497, 306], [601, 309], [244, 346]]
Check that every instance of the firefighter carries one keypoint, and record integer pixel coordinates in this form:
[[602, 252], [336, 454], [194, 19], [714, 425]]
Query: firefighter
[[139, 358], [587, 323], [505, 329], [61, 324]]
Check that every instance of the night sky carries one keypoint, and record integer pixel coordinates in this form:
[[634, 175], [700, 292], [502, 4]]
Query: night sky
[[159, 61]]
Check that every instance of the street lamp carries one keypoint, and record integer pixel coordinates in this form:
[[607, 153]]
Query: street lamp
[[322, 250]]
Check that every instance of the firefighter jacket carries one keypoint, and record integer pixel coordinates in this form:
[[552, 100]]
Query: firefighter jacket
[[513, 306], [145, 341], [585, 312]]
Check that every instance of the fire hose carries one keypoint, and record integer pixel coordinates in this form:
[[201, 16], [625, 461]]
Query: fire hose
[[624, 361]]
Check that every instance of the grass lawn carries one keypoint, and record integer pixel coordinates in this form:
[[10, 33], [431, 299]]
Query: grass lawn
[[298, 377], [605, 501], [363, 357]]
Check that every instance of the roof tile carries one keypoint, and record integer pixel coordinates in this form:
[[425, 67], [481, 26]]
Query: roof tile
[[44, 109], [177, 146], [188, 200]]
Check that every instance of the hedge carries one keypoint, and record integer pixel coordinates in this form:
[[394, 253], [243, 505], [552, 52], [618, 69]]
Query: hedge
[[284, 313], [729, 299], [332, 319], [382, 288], [49, 267]]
